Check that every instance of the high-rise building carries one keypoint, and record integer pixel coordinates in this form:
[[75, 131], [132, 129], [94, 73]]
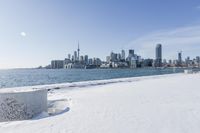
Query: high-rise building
[[133, 62], [158, 61], [90, 61], [131, 53], [73, 59], [69, 56], [108, 59], [198, 61], [164, 62], [86, 59], [113, 56], [187, 61], [170, 62], [96, 61], [123, 56], [75, 56], [78, 52], [179, 58], [81, 58]]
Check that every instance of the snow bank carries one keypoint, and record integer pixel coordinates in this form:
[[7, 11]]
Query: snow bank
[[156, 104], [22, 105]]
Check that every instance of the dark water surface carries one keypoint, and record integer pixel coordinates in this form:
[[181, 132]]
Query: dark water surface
[[29, 77]]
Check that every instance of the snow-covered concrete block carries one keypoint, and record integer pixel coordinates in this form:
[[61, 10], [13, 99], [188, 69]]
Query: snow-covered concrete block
[[22, 105]]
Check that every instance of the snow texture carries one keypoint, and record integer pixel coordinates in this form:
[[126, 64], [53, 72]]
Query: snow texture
[[22, 105]]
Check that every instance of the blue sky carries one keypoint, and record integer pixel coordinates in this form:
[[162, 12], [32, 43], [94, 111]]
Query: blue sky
[[33, 32]]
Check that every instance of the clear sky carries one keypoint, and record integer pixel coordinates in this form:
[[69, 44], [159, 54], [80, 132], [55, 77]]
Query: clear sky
[[33, 32]]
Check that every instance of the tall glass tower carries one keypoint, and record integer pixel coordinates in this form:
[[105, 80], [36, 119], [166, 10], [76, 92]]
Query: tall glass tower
[[180, 58], [123, 55], [158, 62], [78, 51]]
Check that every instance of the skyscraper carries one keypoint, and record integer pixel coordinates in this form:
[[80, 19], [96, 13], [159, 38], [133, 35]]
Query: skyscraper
[[179, 58], [78, 51], [131, 53], [123, 55], [113, 56], [75, 56], [108, 58], [158, 61], [86, 59], [198, 59]]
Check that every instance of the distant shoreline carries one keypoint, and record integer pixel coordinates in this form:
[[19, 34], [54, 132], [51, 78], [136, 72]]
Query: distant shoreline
[[96, 68]]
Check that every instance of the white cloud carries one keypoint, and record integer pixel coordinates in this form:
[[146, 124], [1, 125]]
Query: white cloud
[[186, 39], [23, 34]]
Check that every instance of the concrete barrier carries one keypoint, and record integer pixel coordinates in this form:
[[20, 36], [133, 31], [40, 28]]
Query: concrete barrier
[[22, 105]]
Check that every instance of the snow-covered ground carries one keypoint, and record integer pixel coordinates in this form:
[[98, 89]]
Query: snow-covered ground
[[154, 104]]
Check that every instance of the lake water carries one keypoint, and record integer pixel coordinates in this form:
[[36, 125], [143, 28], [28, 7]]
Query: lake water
[[29, 77]]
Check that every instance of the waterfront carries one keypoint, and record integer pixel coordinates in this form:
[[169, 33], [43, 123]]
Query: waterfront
[[165, 103], [30, 77]]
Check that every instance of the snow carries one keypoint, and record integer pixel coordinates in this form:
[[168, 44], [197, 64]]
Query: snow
[[153, 104], [22, 105]]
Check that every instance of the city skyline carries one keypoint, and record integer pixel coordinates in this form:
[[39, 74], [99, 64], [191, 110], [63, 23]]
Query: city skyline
[[35, 32], [121, 60]]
